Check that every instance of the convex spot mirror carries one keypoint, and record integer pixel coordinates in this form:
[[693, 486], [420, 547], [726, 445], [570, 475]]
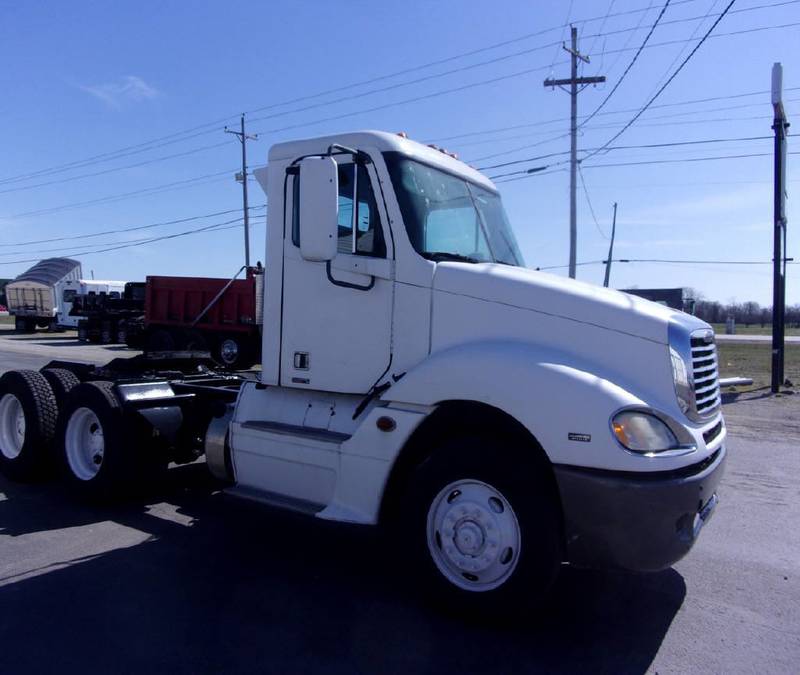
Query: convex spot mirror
[[318, 208]]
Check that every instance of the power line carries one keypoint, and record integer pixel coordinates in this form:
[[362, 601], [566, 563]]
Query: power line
[[666, 84], [630, 65], [165, 187], [114, 169], [528, 173], [415, 99], [589, 202], [686, 159], [641, 146], [135, 228], [183, 135], [205, 128], [441, 139], [632, 34], [683, 48], [226, 225], [120, 153], [667, 262]]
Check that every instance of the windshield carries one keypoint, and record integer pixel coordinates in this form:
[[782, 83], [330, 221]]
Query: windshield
[[450, 218]]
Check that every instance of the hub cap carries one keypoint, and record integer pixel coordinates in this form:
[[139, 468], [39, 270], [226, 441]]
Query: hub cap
[[473, 535], [229, 350], [84, 444], [12, 426]]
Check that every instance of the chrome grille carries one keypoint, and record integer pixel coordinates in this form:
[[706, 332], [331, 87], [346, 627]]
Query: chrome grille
[[705, 379]]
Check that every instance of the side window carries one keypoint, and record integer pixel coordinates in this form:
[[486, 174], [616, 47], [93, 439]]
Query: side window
[[368, 236]]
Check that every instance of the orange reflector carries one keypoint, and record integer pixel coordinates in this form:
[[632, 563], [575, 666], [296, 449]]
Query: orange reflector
[[385, 423]]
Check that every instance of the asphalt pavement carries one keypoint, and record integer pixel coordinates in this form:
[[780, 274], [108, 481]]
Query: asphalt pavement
[[191, 580]]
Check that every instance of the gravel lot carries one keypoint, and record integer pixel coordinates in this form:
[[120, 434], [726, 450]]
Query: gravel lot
[[193, 581]]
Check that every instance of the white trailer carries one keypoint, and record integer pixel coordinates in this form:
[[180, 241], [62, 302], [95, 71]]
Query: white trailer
[[32, 297], [69, 289], [498, 421]]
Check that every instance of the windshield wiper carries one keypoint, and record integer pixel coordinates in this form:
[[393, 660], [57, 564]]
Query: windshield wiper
[[446, 255]]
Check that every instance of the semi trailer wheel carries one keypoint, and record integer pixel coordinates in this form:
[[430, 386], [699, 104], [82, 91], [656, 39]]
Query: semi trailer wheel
[[93, 443], [483, 528], [61, 382], [28, 414], [160, 340], [24, 325], [229, 352]]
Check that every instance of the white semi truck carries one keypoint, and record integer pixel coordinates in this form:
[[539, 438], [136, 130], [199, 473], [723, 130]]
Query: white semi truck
[[498, 421], [68, 290]]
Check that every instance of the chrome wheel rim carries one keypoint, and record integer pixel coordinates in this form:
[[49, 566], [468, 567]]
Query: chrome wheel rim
[[84, 444], [473, 535], [12, 426]]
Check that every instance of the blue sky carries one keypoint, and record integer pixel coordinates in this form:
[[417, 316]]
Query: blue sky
[[82, 79]]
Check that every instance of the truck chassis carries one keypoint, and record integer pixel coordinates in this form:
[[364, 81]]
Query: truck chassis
[[134, 416]]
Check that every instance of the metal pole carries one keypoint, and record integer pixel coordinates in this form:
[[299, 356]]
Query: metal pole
[[244, 198], [611, 247], [779, 126], [573, 156]]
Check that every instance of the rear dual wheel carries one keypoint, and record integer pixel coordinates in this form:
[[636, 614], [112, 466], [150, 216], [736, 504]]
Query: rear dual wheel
[[93, 442], [28, 412]]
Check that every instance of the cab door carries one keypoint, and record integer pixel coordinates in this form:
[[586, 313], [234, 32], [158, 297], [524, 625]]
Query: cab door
[[337, 316]]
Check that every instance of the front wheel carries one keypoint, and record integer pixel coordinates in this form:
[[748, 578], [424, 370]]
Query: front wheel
[[483, 525]]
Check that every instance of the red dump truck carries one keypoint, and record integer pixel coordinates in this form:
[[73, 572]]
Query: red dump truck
[[202, 314]]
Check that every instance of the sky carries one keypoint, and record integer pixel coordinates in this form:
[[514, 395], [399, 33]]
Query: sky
[[113, 116]]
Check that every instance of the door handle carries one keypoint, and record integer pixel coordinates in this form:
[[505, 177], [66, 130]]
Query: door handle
[[346, 284]]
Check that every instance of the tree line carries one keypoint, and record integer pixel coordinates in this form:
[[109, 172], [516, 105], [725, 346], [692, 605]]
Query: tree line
[[744, 313]]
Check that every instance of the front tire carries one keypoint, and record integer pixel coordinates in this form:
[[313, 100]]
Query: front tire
[[28, 414], [484, 527]]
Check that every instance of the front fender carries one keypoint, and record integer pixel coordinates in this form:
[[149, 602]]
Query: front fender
[[567, 408]]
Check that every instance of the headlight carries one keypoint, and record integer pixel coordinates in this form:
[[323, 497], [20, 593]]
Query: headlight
[[680, 375], [642, 432]]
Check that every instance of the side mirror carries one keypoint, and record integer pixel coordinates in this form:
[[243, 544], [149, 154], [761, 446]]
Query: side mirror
[[318, 208]]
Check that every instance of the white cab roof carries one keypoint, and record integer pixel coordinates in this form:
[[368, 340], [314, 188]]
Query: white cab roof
[[384, 142]]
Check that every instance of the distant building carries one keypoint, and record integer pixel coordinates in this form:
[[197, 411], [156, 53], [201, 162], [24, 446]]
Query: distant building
[[677, 298]]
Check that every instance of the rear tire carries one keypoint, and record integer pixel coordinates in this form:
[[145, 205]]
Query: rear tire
[[28, 414], [483, 527], [24, 325], [94, 444], [61, 382], [160, 340], [195, 341]]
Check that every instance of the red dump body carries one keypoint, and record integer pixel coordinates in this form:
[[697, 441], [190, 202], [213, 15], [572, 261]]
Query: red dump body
[[179, 301]]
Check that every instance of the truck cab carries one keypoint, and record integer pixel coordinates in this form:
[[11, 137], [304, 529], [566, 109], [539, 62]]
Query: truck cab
[[69, 289], [496, 420]]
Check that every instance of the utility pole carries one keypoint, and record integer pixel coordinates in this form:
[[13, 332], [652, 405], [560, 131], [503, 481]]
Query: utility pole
[[573, 81], [243, 137], [611, 246], [779, 126]]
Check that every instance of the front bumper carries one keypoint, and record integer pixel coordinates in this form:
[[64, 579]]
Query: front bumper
[[636, 521]]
